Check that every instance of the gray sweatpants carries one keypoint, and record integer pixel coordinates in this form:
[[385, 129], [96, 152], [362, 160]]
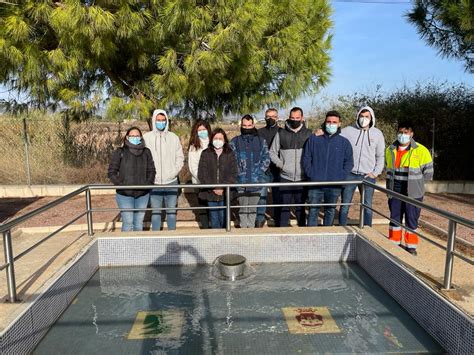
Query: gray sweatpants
[[247, 215]]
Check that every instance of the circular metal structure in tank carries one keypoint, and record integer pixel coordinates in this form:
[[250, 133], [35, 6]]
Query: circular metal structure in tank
[[231, 266]]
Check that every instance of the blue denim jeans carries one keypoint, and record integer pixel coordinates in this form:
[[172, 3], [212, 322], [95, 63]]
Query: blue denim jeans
[[216, 216], [132, 221], [348, 194], [169, 197], [327, 195]]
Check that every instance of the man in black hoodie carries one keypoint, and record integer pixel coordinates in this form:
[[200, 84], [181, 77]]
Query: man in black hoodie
[[273, 173]]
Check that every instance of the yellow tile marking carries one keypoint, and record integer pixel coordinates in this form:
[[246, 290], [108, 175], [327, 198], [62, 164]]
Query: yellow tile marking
[[309, 320], [157, 325]]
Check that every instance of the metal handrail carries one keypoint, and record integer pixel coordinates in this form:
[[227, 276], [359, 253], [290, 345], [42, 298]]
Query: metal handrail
[[6, 228], [215, 207], [14, 222], [408, 229], [412, 201]]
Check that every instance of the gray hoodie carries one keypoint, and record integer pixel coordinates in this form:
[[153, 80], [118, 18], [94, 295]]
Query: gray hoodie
[[166, 150], [368, 146]]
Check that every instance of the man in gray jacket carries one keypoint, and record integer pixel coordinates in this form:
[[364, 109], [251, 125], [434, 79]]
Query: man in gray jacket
[[168, 156], [286, 153], [368, 147]]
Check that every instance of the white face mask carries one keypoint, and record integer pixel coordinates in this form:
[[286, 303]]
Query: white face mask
[[403, 138], [217, 143], [364, 121]]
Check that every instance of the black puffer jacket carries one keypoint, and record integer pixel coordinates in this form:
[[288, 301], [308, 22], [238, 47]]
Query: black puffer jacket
[[132, 166], [214, 170]]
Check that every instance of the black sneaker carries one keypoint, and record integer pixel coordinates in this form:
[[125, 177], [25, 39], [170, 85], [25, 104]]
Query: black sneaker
[[259, 224], [412, 251]]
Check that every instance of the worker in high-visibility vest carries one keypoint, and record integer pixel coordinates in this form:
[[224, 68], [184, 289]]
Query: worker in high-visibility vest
[[408, 165]]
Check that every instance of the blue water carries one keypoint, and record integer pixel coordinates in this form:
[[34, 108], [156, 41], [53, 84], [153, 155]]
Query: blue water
[[244, 317]]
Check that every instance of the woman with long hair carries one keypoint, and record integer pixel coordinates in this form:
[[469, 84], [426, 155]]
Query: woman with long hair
[[217, 165], [198, 141], [132, 164]]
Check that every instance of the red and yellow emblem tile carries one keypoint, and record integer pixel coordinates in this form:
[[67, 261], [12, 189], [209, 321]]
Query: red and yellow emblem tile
[[309, 320]]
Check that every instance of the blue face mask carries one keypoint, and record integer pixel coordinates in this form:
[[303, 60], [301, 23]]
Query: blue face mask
[[403, 138], [203, 134], [331, 128], [134, 140], [160, 125]]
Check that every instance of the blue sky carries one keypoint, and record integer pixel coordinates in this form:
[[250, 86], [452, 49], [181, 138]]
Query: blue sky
[[374, 44]]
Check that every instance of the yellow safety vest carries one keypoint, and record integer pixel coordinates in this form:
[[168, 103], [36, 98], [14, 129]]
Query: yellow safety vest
[[416, 167]]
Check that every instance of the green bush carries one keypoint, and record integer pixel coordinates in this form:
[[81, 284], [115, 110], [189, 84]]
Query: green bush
[[447, 107]]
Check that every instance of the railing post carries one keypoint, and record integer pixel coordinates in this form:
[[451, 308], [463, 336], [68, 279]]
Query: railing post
[[27, 152], [362, 208], [9, 259], [90, 226], [448, 269], [227, 209]]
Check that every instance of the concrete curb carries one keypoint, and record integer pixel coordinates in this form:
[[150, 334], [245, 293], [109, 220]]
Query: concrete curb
[[115, 226], [443, 233], [25, 191]]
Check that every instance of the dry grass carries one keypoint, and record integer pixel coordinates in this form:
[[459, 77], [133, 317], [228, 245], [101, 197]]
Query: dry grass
[[79, 155]]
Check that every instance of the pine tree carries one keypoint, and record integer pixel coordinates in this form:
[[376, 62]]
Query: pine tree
[[200, 56], [447, 25]]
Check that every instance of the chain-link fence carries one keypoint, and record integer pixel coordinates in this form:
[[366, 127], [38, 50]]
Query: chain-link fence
[[52, 151], [49, 150]]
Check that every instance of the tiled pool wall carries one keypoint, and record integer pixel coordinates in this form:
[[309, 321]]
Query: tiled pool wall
[[205, 249], [450, 327], [444, 322], [32, 324]]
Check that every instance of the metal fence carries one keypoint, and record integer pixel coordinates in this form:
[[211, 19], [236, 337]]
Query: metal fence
[[10, 259], [74, 152]]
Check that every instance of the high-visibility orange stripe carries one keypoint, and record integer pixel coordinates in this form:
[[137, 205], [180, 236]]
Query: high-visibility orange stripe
[[395, 235], [411, 239]]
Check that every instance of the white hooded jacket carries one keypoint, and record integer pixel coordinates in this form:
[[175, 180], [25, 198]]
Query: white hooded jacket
[[166, 150], [368, 146]]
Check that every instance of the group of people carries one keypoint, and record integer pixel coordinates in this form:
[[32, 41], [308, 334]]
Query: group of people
[[290, 154]]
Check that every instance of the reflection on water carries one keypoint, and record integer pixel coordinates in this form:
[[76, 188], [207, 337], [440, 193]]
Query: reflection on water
[[244, 316]]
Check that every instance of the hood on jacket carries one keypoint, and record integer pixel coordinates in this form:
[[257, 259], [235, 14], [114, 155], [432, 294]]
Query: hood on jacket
[[153, 120], [372, 122]]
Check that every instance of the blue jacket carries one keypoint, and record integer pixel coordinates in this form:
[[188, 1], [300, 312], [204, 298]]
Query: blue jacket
[[327, 158], [253, 159]]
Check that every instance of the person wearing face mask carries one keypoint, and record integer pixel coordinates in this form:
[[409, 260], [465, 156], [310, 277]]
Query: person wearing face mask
[[132, 164], [286, 152], [168, 156], [273, 173], [253, 159], [327, 157], [198, 141], [217, 165], [368, 148], [408, 165]]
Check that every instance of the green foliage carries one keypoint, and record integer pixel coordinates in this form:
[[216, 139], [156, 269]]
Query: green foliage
[[197, 56], [120, 109], [451, 109], [447, 25]]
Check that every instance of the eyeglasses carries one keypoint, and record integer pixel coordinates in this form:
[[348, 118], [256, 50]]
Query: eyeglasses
[[271, 117]]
